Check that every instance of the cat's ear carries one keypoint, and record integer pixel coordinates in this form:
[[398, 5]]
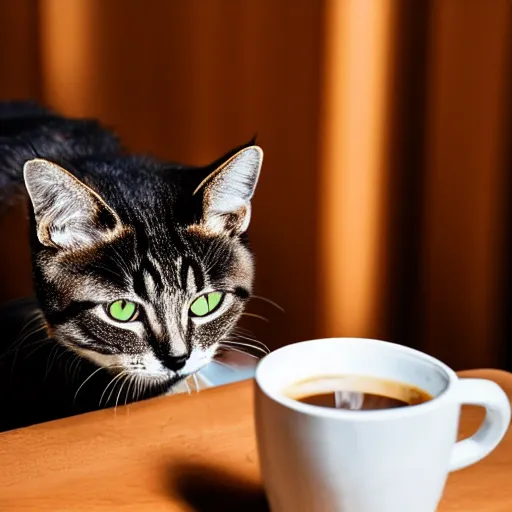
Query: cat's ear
[[68, 214], [227, 192]]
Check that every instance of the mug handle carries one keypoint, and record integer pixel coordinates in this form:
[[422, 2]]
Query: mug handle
[[497, 419]]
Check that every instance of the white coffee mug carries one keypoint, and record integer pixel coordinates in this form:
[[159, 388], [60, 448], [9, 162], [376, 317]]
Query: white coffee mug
[[318, 459]]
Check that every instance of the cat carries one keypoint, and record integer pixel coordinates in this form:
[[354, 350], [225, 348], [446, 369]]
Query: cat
[[141, 268]]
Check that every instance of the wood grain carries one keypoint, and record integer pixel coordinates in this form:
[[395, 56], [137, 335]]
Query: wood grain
[[187, 453]]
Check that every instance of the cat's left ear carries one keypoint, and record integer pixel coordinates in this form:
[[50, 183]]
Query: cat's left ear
[[68, 214], [227, 192]]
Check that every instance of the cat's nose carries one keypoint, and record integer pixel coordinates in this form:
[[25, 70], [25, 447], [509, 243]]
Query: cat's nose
[[175, 363]]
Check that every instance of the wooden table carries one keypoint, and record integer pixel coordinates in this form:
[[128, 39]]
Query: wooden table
[[187, 453]]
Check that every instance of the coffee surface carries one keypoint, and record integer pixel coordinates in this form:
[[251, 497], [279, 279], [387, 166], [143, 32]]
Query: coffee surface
[[355, 392]]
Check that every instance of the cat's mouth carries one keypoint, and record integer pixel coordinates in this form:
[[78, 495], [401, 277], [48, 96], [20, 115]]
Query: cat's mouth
[[148, 368]]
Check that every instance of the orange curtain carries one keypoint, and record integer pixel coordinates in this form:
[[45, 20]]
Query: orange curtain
[[383, 205], [415, 169]]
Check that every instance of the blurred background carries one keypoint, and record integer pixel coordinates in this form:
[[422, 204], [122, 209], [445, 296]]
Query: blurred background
[[383, 208]]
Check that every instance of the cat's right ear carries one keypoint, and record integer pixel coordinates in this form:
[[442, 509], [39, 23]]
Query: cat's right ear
[[68, 214], [228, 191]]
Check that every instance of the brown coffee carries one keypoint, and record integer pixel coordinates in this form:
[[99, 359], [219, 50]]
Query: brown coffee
[[356, 392]]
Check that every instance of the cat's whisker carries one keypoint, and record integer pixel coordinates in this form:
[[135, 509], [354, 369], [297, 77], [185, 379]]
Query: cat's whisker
[[38, 344], [187, 386], [254, 340], [232, 349], [74, 366], [254, 315], [116, 260], [23, 335], [248, 345], [84, 382], [77, 367], [67, 352], [108, 270], [206, 257], [246, 336], [53, 351], [136, 388], [113, 384], [242, 330], [116, 377], [131, 379], [120, 260], [50, 361], [275, 304], [135, 395], [37, 316], [211, 256], [128, 390], [20, 341], [145, 384], [231, 367], [127, 378], [196, 383], [141, 384]]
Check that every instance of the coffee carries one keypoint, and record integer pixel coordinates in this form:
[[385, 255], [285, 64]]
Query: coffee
[[356, 392]]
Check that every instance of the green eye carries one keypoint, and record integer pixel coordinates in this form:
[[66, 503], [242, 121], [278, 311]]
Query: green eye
[[122, 310], [206, 304]]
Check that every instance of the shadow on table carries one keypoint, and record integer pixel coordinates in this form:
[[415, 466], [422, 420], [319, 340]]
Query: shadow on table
[[207, 488]]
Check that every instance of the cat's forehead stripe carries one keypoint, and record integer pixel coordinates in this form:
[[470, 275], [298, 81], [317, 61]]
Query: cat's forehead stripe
[[190, 266], [148, 280], [155, 263], [191, 280], [149, 284], [154, 272]]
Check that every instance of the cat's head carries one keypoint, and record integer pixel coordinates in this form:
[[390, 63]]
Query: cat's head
[[143, 267]]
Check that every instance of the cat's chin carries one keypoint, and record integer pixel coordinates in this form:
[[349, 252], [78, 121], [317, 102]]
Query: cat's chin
[[163, 379], [159, 385], [147, 369], [166, 382]]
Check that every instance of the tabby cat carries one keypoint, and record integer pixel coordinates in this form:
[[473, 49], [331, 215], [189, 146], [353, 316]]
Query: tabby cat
[[141, 268]]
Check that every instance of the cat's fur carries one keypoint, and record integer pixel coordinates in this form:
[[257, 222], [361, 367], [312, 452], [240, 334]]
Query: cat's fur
[[106, 225]]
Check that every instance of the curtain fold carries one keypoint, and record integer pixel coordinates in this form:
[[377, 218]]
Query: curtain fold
[[355, 172]]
